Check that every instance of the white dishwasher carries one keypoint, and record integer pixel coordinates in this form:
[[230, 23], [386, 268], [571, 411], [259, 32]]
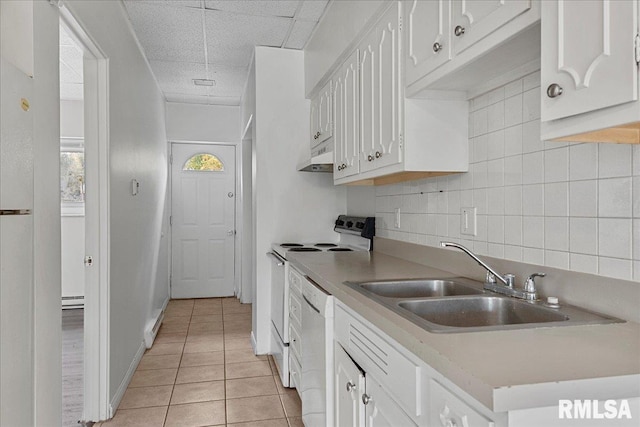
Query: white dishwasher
[[317, 356]]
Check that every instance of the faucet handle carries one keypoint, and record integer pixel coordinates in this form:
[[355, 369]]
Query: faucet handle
[[530, 284]]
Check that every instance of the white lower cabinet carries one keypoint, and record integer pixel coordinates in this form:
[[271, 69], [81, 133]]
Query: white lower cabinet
[[446, 409]]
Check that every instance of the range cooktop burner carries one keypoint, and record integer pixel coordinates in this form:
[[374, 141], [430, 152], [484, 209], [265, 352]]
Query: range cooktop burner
[[325, 245], [305, 250], [291, 245], [341, 250]]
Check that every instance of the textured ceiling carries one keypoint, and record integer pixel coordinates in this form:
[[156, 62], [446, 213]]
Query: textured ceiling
[[214, 39], [71, 74]]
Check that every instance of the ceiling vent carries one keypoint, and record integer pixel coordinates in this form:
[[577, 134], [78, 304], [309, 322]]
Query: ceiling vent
[[204, 82]]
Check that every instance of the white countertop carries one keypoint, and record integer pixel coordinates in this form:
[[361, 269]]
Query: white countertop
[[504, 370]]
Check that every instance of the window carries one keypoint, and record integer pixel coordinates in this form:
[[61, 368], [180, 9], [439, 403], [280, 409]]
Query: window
[[203, 163], [72, 177]]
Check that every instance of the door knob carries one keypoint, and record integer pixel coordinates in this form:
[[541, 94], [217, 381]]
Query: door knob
[[554, 90], [458, 31]]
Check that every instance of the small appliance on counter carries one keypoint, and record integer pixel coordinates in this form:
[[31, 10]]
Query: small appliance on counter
[[355, 234]]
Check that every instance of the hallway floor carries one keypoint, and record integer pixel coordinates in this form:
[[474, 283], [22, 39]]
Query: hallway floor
[[201, 371], [72, 366]]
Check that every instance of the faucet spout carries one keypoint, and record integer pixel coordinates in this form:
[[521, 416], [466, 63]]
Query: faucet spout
[[484, 265]]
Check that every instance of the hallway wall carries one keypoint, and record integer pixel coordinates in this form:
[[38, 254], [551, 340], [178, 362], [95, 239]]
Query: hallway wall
[[138, 224]]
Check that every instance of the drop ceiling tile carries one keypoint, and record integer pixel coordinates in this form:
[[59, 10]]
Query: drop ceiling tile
[[168, 33], [285, 8], [299, 34], [68, 75], [73, 58], [205, 100], [312, 10], [178, 78], [232, 37], [70, 91], [175, 3]]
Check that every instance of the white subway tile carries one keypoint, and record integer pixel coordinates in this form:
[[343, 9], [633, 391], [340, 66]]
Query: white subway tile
[[480, 248], [584, 263], [636, 239], [556, 259], [583, 235], [480, 123], [614, 237], [533, 231], [442, 183], [480, 200], [480, 145], [466, 198], [495, 201], [615, 198], [533, 256], [533, 168], [495, 116], [454, 182], [429, 185], [481, 228], [556, 199], [495, 95], [421, 223], [495, 229], [636, 271], [513, 140], [432, 203], [616, 268], [481, 101], [432, 226], [443, 202], [583, 198], [636, 196], [513, 110], [614, 160], [556, 233], [636, 160], [479, 171], [556, 165], [513, 253], [454, 202], [495, 173], [513, 88], [531, 141], [495, 146], [495, 250], [513, 230], [513, 170], [531, 81], [442, 225], [513, 200], [583, 161], [454, 226], [466, 181], [531, 105], [533, 200], [433, 241]]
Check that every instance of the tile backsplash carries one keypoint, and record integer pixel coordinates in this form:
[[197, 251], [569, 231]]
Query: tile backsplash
[[574, 206]]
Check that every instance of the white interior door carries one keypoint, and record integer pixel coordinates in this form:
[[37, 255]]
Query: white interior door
[[203, 220]]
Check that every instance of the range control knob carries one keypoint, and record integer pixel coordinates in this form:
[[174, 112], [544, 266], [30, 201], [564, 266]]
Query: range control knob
[[349, 224], [339, 222], [360, 225]]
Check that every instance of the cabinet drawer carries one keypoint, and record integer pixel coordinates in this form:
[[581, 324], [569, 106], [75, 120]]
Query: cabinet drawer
[[402, 378], [294, 342], [445, 409], [295, 309], [294, 373], [295, 281]]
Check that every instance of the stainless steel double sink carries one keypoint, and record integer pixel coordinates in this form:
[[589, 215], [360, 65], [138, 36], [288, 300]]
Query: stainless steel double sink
[[461, 305]]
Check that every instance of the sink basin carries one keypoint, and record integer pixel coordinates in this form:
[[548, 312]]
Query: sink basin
[[422, 288], [480, 311]]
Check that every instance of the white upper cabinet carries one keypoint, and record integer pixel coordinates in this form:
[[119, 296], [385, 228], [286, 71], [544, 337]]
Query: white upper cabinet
[[427, 37], [346, 118], [471, 21], [321, 116], [380, 94], [588, 56]]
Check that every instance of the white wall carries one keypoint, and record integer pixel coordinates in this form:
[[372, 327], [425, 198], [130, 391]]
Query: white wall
[[211, 123], [289, 205], [71, 118], [570, 206], [341, 24], [139, 265]]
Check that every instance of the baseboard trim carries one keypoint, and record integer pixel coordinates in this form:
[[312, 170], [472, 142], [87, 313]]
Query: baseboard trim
[[115, 402]]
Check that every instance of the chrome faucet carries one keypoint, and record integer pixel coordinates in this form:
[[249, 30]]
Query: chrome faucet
[[527, 293]]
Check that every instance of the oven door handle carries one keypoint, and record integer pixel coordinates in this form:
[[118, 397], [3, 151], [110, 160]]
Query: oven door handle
[[279, 261], [310, 305]]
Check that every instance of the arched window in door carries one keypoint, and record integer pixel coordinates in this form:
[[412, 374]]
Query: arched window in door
[[203, 162]]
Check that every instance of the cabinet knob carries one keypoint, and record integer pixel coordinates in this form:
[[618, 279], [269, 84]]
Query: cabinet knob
[[378, 154], [554, 90], [437, 47], [350, 386], [366, 399], [344, 166], [458, 31], [370, 157]]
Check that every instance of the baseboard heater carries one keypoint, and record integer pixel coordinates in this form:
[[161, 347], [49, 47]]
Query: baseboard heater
[[152, 328]]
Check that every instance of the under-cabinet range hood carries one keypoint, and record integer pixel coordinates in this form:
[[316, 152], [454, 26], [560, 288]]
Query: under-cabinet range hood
[[320, 163]]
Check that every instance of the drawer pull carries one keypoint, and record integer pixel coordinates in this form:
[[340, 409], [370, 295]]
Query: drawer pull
[[350, 386], [437, 47], [554, 90], [366, 399], [458, 31]]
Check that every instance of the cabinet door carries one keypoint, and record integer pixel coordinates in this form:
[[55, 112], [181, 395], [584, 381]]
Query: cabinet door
[[325, 122], [314, 122], [346, 110], [349, 383], [381, 410], [427, 37], [471, 21], [380, 93], [588, 51]]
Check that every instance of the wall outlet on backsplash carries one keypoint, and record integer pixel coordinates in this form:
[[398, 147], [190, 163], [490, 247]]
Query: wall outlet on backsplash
[[468, 221]]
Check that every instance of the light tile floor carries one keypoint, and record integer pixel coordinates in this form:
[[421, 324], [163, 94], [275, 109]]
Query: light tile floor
[[201, 371]]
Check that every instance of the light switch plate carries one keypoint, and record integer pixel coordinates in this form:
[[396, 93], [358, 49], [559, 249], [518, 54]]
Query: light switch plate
[[468, 221]]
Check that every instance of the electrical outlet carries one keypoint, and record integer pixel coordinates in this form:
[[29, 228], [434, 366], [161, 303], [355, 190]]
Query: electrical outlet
[[396, 222], [468, 221]]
